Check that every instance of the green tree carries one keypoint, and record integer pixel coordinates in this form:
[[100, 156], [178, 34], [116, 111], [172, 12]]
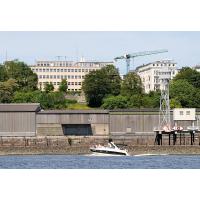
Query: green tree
[[48, 87], [115, 102], [27, 97], [7, 89], [63, 86], [53, 100], [26, 79], [113, 78], [101, 83], [131, 85], [190, 75], [174, 103], [3, 73], [182, 91]]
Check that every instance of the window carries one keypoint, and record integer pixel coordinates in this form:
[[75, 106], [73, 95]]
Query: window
[[58, 83], [65, 77], [86, 70], [187, 112], [83, 70], [47, 76], [54, 76], [72, 77], [40, 70], [58, 77], [65, 70], [40, 76], [51, 76], [54, 70], [72, 83], [79, 70], [68, 77], [75, 70], [43, 76], [54, 83], [36, 70], [72, 70], [61, 77], [75, 83], [181, 112], [83, 77], [76, 77], [51, 70], [58, 70], [68, 70], [69, 83], [47, 70], [79, 83], [79, 77]]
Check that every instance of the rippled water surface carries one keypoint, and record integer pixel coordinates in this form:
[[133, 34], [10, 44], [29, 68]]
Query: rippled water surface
[[92, 162]]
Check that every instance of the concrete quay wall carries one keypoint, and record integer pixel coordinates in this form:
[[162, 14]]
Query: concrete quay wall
[[138, 144]]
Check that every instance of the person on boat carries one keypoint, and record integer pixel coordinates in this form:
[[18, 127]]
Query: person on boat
[[110, 143]]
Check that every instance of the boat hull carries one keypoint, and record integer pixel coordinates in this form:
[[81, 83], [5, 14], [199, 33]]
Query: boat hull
[[106, 152]]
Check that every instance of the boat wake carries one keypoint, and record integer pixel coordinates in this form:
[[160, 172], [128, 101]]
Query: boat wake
[[151, 154]]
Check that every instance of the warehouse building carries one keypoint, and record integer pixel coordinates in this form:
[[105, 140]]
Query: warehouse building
[[18, 119], [27, 120]]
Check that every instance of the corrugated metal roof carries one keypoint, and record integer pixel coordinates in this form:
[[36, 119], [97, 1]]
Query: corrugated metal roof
[[20, 107]]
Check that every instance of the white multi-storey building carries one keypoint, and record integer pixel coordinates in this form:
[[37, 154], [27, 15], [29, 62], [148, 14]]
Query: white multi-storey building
[[153, 74], [74, 72], [197, 67]]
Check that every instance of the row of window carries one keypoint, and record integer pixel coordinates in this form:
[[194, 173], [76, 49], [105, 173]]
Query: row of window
[[164, 64], [60, 77], [62, 70], [67, 64], [164, 73], [58, 83]]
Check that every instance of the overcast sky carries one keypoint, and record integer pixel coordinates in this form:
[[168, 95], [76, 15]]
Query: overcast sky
[[183, 47]]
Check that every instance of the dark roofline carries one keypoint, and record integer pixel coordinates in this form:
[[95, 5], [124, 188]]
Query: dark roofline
[[20, 107], [73, 112], [158, 61]]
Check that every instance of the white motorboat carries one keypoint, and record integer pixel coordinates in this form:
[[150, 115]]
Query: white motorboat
[[111, 149]]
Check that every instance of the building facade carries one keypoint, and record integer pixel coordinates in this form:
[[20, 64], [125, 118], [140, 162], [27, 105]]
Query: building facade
[[197, 67], [74, 72], [153, 74]]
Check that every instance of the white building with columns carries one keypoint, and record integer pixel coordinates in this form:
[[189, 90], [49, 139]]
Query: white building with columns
[[151, 74]]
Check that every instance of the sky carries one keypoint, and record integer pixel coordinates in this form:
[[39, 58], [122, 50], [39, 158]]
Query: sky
[[183, 47]]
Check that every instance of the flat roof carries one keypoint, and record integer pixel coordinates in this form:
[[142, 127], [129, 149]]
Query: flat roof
[[73, 112], [20, 107]]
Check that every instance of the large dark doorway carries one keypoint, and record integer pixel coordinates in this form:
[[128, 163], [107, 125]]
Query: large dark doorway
[[77, 129]]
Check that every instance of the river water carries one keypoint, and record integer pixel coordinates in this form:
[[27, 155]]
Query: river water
[[93, 162]]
